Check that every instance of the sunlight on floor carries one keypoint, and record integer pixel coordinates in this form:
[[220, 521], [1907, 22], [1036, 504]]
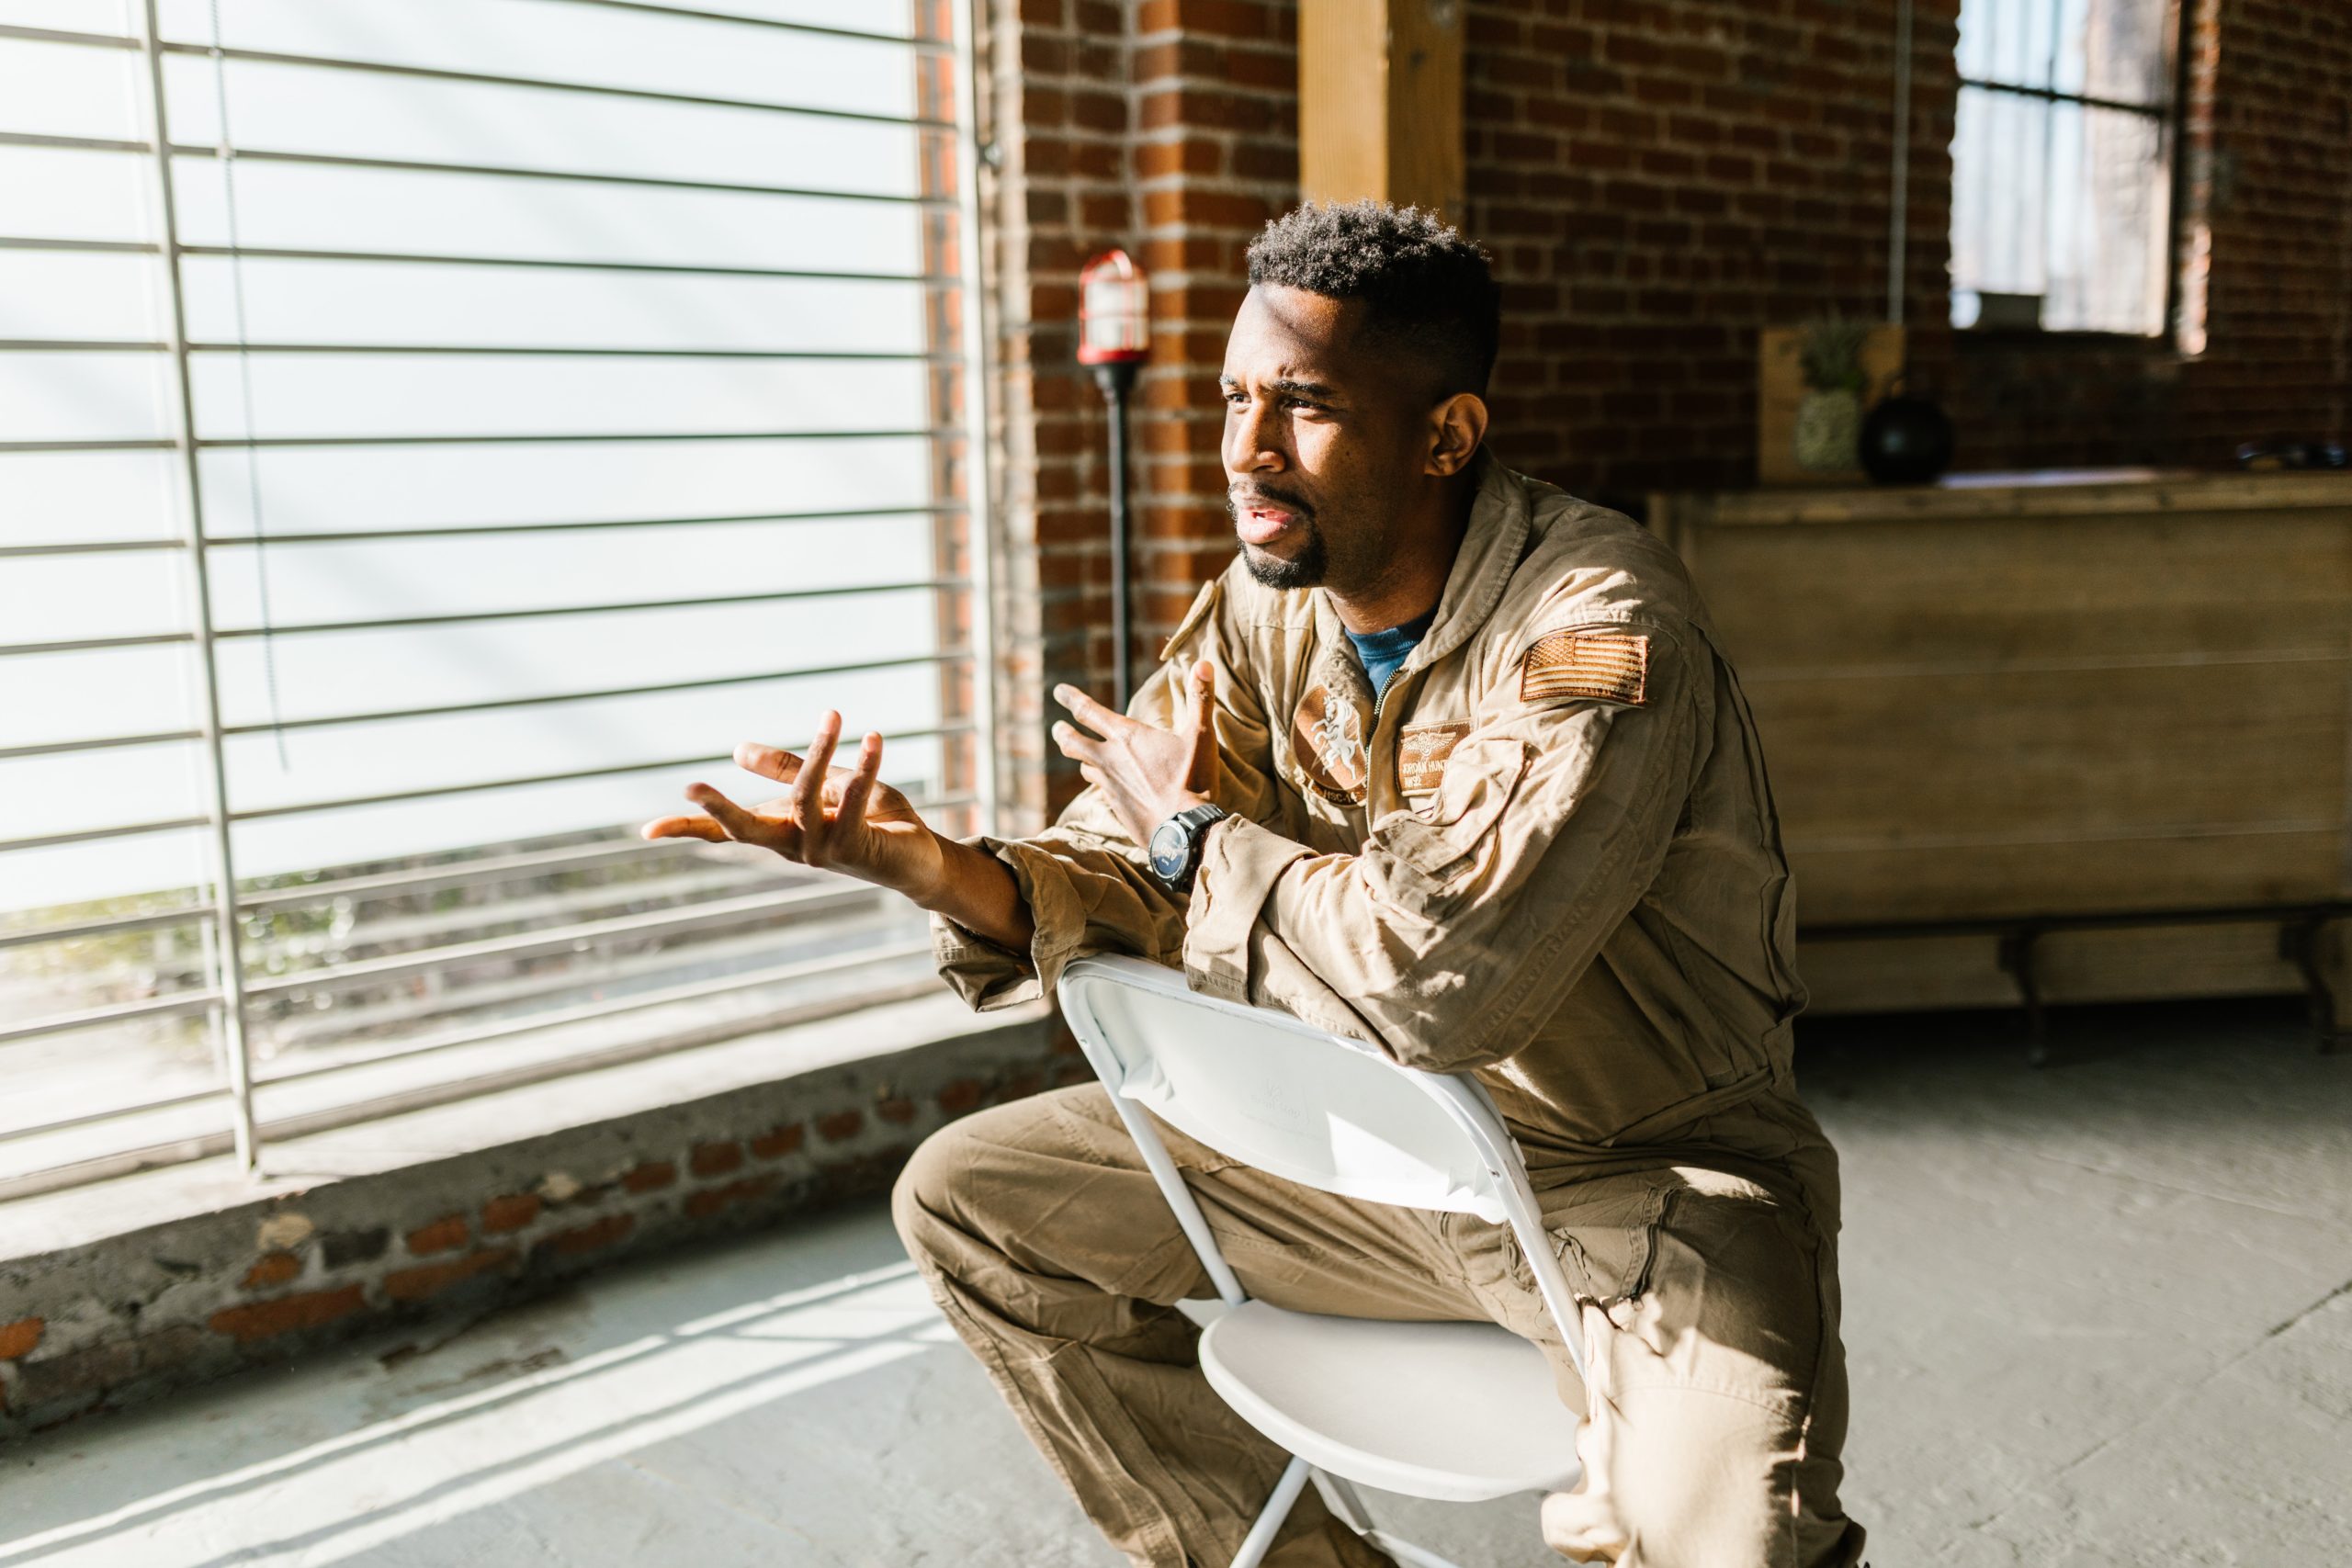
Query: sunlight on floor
[[331, 1500]]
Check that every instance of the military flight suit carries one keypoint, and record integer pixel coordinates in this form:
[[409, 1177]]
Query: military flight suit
[[1547, 855]]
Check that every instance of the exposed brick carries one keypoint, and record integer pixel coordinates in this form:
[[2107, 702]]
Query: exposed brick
[[962, 1095], [425, 1280], [511, 1212], [840, 1124], [778, 1141], [650, 1177], [77, 1376], [589, 1237], [271, 1269], [18, 1338], [260, 1320], [711, 1200], [340, 1249], [445, 1235], [898, 1110], [716, 1159]]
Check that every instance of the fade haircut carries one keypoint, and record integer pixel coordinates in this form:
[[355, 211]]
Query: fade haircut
[[1430, 293]]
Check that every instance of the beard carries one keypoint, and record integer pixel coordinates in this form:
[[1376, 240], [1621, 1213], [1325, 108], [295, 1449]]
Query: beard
[[1302, 570], [1305, 569]]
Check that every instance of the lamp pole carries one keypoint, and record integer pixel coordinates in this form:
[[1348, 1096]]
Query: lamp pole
[[1113, 337], [1116, 381]]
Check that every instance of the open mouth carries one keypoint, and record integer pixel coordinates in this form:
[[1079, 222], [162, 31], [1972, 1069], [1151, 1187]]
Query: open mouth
[[1262, 523]]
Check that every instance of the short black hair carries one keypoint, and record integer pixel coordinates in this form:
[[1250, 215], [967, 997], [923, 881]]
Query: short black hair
[[1429, 291]]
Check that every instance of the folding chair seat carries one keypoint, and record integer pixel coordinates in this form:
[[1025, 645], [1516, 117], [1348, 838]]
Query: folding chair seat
[[1460, 1412]]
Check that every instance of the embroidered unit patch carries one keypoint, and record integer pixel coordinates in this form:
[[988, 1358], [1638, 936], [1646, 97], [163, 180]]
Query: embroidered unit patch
[[1613, 666], [1326, 735], [1421, 751]]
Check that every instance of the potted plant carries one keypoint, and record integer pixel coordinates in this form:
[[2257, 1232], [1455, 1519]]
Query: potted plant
[[1830, 417]]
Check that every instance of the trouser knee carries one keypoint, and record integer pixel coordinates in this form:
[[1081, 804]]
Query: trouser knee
[[976, 1183], [925, 1192]]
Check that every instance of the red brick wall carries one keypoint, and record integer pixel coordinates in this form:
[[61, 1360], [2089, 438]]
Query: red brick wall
[[1657, 179], [1167, 127]]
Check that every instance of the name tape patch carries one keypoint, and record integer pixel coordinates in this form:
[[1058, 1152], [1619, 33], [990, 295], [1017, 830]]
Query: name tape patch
[[1611, 666], [1421, 751]]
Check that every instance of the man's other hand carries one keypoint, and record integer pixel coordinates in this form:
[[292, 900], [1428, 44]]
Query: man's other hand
[[1147, 774], [843, 819]]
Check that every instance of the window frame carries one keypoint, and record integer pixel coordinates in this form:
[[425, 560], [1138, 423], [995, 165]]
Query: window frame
[[2171, 121]]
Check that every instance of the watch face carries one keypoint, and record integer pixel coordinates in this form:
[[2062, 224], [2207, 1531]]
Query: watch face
[[1169, 847]]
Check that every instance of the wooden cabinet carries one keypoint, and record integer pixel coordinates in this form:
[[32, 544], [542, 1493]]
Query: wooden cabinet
[[2044, 696]]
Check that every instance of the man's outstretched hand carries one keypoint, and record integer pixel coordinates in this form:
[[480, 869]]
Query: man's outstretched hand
[[844, 819], [1147, 774]]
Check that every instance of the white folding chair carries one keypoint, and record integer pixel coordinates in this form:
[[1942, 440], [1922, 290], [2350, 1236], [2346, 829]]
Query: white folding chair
[[1463, 1412]]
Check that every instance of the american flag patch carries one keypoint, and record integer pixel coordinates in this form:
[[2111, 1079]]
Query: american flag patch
[[1611, 666]]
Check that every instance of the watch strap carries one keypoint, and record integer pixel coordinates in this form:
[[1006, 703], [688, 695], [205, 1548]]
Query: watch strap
[[1196, 821]]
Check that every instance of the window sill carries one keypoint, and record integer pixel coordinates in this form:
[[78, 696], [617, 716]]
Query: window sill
[[80, 1216]]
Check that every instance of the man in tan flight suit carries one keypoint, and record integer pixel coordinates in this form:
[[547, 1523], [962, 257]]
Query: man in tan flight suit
[[1540, 849]]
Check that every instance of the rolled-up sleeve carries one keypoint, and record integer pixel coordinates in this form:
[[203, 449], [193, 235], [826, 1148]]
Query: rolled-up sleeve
[[1084, 895], [1087, 885], [1461, 926]]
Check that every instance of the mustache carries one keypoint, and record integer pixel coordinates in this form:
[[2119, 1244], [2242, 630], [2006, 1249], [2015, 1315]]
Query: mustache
[[1238, 503]]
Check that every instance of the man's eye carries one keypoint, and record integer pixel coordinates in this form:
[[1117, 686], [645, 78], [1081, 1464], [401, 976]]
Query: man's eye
[[1236, 399]]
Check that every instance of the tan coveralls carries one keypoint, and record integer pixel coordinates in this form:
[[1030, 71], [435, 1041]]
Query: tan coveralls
[[1547, 855]]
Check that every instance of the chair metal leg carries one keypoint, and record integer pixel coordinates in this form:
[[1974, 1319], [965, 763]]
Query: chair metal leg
[[1260, 1539]]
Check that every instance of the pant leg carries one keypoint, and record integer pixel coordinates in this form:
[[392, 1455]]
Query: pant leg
[[1051, 1251], [1717, 1406]]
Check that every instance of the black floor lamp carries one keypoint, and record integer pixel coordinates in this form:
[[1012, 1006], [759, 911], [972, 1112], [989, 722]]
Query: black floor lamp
[[1114, 337]]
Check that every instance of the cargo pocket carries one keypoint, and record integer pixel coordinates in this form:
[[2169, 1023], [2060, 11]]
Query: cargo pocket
[[1604, 1233]]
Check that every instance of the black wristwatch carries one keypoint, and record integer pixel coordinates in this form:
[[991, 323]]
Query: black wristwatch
[[1176, 844]]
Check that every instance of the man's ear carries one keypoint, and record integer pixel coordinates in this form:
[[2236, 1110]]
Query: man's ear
[[1456, 427]]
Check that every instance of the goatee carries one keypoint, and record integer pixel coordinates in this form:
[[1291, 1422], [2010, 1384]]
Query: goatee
[[1302, 570]]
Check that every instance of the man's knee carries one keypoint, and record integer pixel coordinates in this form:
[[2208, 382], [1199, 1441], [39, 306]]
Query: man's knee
[[976, 1177], [925, 1191]]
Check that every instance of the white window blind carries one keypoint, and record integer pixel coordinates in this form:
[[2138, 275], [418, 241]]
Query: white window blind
[[505, 407]]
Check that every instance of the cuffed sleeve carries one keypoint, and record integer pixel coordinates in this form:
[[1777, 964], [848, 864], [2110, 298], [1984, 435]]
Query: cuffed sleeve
[[1461, 926], [1086, 883], [1240, 863], [1084, 894]]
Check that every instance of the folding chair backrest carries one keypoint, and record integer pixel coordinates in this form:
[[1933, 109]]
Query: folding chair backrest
[[1301, 1103], [1306, 1105]]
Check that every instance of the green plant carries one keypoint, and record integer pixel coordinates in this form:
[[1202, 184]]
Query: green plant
[[1830, 354]]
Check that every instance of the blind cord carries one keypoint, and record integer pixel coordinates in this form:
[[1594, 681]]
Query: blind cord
[[246, 388]]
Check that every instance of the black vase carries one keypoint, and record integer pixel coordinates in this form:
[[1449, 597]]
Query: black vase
[[1907, 440]]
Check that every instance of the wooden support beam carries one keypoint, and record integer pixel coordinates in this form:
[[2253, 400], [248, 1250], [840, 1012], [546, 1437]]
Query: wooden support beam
[[1380, 102]]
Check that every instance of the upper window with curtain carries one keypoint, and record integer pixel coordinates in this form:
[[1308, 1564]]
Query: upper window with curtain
[[431, 433], [2063, 154]]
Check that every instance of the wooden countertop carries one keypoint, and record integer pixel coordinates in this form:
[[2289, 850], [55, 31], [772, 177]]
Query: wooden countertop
[[2053, 493]]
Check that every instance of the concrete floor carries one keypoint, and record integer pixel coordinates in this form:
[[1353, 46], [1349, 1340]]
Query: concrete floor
[[2097, 1315]]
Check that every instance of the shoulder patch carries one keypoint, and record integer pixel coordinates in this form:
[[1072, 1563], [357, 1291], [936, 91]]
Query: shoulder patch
[[1611, 665], [1326, 737]]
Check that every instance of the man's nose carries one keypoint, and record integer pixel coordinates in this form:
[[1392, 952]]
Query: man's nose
[[1252, 441]]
